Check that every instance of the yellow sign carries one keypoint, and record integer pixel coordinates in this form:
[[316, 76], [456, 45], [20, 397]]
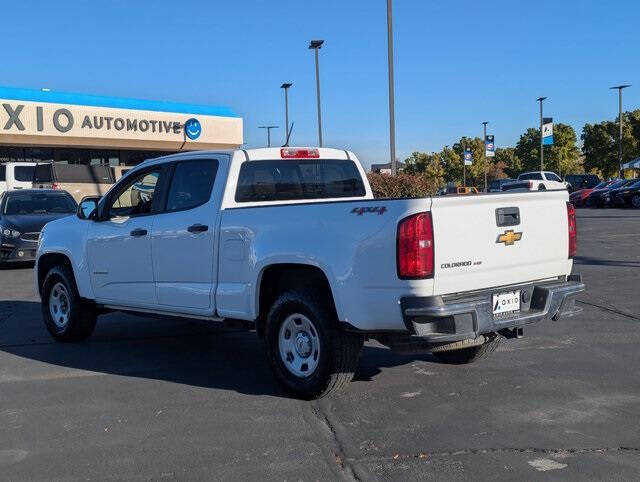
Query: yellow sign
[[509, 237]]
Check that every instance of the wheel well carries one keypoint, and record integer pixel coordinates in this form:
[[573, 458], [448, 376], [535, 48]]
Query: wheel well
[[48, 261], [278, 278]]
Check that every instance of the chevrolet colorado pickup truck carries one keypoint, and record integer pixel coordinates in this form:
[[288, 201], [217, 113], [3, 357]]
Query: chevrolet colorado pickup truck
[[292, 242]]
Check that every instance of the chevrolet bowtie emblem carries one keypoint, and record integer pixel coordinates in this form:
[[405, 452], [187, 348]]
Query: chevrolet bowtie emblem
[[509, 237]]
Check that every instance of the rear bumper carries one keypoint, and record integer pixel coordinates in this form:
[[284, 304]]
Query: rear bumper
[[437, 319]]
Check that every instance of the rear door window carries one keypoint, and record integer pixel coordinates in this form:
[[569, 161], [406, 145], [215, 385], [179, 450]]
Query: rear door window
[[43, 173], [23, 173], [532, 175], [191, 184], [552, 177], [3, 173], [299, 179]]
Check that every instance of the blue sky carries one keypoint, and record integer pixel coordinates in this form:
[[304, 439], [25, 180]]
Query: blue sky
[[457, 62]]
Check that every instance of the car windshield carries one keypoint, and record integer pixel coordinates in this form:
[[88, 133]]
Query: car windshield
[[617, 184], [38, 203], [602, 185]]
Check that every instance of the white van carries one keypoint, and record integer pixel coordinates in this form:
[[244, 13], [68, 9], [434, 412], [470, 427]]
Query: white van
[[16, 175]]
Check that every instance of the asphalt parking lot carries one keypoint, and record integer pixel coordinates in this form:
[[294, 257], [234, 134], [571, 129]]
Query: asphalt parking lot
[[163, 399]]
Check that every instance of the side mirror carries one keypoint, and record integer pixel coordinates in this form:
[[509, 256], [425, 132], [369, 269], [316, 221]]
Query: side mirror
[[88, 207]]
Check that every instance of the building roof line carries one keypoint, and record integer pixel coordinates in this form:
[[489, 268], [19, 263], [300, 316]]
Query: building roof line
[[49, 96]]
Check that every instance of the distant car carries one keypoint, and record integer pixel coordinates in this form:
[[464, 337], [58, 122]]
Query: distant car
[[578, 198], [536, 181], [625, 196], [597, 198], [79, 180], [496, 184], [23, 214], [461, 190], [581, 181]]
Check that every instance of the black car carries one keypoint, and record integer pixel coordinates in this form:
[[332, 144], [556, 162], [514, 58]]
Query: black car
[[581, 181], [625, 196], [598, 198], [496, 184], [23, 213]]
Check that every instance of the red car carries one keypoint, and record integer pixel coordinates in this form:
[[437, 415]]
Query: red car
[[578, 198]]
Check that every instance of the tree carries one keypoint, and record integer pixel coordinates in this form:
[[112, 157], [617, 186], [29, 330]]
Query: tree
[[509, 162], [475, 172], [600, 143], [562, 156], [429, 165]]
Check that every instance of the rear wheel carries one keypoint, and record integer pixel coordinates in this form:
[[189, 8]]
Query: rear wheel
[[461, 356], [635, 201], [66, 317], [310, 356], [542, 187]]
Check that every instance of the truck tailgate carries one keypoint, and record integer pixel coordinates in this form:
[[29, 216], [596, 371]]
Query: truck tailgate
[[473, 252]]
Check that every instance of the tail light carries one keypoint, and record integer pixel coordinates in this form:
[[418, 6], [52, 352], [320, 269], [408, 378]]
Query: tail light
[[530, 185], [573, 232], [415, 247], [297, 153], [55, 186]]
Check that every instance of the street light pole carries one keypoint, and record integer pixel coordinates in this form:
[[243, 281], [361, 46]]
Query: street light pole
[[316, 45], [392, 120], [268, 133], [286, 86], [540, 99], [620, 87], [484, 153]]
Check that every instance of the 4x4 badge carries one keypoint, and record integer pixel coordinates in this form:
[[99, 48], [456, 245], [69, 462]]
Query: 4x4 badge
[[509, 237]]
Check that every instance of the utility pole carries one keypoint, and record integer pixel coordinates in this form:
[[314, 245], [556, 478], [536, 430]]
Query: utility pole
[[620, 87], [286, 86], [392, 119], [484, 153], [268, 133], [316, 45], [540, 99]]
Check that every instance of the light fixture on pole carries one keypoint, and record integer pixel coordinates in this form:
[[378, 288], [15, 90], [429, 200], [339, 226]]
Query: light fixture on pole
[[484, 153], [392, 117], [540, 99], [315, 45], [268, 133], [286, 86], [620, 87]]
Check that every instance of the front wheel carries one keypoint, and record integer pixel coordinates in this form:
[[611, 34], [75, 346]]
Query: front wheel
[[310, 356], [66, 317], [462, 356]]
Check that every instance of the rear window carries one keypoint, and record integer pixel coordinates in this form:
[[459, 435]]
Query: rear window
[[23, 173], [298, 179], [43, 173]]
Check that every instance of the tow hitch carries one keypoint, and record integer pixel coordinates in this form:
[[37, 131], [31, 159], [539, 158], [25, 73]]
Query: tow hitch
[[517, 332]]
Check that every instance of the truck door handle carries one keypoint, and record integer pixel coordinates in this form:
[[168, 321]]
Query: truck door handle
[[198, 228], [507, 216], [138, 232]]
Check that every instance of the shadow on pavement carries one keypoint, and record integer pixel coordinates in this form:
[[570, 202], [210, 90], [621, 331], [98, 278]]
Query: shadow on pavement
[[586, 260], [175, 350]]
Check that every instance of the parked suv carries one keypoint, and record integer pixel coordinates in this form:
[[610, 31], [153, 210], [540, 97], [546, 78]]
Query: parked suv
[[77, 179], [581, 181]]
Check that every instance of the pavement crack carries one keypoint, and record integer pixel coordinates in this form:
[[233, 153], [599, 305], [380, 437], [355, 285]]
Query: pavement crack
[[610, 309], [338, 454], [501, 450]]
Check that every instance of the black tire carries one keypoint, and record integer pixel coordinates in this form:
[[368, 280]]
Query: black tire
[[338, 350], [542, 187], [462, 356], [635, 201], [81, 316]]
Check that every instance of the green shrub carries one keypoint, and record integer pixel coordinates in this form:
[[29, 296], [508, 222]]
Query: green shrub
[[401, 185]]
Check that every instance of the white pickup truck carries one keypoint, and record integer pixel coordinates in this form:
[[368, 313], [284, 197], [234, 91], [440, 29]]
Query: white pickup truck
[[536, 181], [292, 242]]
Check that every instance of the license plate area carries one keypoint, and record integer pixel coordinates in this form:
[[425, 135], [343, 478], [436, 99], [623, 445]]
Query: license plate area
[[505, 302]]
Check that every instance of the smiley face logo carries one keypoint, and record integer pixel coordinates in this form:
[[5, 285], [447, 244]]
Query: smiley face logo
[[192, 129]]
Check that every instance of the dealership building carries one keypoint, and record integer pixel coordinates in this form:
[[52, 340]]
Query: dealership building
[[45, 126]]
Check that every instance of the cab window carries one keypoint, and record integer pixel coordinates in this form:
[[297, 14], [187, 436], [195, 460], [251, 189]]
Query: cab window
[[135, 198], [191, 184]]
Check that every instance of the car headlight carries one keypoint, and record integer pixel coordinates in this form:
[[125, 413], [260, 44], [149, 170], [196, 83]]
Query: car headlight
[[9, 233]]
